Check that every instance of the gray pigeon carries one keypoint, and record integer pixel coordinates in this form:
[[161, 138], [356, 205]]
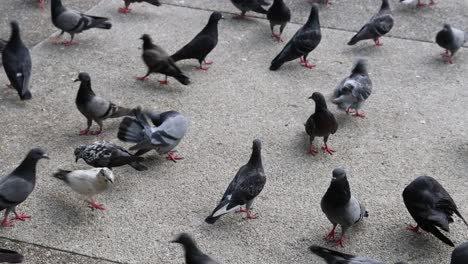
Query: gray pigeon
[[74, 22], [94, 107], [278, 15], [460, 254], [250, 5], [322, 123], [354, 89], [340, 207], [202, 44], [168, 130], [379, 25], [193, 255], [451, 39], [10, 256], [246, 185], [18, 185], [335, 257], [17, 63], [431, 207], [107, 154], [126, 8], [306, 39], [158, 61]]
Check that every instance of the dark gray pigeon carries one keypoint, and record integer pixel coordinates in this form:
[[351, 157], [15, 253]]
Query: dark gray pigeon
[[193, 255], [203, 43], [451, 39], [74, 22], [158, 61], [431, 207], [379, 25], [18, 185], [250, 5], [246, 185], [168, 130], [460, 254], [107, 154], [353, 90], [94, 107], [278, 15], [340, 207], [126, 8], [17, 63], [302, 43], [10, 256], [335, 257], [322, 123]]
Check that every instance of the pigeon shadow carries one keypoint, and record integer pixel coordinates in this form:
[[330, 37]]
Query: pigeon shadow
[[363, 49], [65, 212]]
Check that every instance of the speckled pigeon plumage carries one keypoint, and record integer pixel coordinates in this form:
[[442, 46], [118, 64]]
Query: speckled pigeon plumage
[[451, 39]]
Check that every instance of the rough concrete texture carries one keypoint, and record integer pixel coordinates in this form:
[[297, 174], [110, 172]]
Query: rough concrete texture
[[416, 125]]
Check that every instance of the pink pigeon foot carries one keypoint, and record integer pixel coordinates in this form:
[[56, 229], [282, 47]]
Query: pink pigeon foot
[[328, 149], [142, 78], [55, 39], [41, 3], [241, 210], [249, 215], [21, 217], [277, 37], [124, 10], [69, 43], [312, 151], [449, 60], [208, 62], [6, 222], [359, 114], [446, 53], [432, 3], [171, 156], [340, 241], [378, 43], [331, 235], [204, 68], [163, 81], [413, 228], [94, 205], [97, 132], [84, 132]]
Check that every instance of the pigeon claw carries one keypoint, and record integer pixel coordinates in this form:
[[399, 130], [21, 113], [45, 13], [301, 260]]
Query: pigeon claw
[[55, 39], [331, 235], [93, 205], [6, 222], [249, 215], [241, 210], [174, 158], [340, 241], [163, 81], [41, 3], [124, 10], [359, 114], [420, 4], [432, 3], [413, 228], [84, 132], [328, 149], [209, 62], [377, 42], [204, 68], [69, 43], [445, 53], [312, 151], [449, 60], [142, 78], [277, 37], [21, 217], [97, 132]]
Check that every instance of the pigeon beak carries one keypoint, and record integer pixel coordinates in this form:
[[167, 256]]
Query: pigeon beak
[[173, 241], [111, 181], [309, 97], [45, 156], [76, 80]]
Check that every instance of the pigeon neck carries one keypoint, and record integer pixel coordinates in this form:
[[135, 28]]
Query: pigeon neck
[[385, 5], [212, 27], [320, 105], [360, 69], [148, 44], [339, 193], [313, 20], [256, 157], [57, 7], [191, 250], [85, 91], [15, 38], [27, 168]]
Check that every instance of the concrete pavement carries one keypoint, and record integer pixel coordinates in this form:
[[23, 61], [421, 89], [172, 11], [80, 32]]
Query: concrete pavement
[[416, 125]]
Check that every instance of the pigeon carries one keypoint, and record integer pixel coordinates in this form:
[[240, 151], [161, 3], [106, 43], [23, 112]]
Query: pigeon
[[168, 130], [73, 22], [322, 123], [278, 14], [18, 185], [379, 25], [460, 254], [431, 206], [250, 5], [335, 257], [354, 89], [302, 43], [17, 63], [246, 185], [87, 182], [107, 154], [126, 8], [94, 107], [158, 61], [340, 207], [193, 254], [419, 4], [41, 3], [203, 43], [451, 39], [10, 256]]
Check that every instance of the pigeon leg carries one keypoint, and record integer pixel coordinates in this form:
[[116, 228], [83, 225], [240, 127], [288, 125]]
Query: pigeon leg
[[312, 151], [98, 132], [449, 60], [69, 43], [432, 3], [171, 156], [420, 3], [377, 42], [414, 228], [209, 62], [328, 149], [241, 16], [125, 9], [5, 221], [340, 241], [164, 81], [306, 63], [331, 235], [20, 216], [143, 78], [56, 39], [85, 132], [94, 205], [201, 67], [41, 3], [359, 114], [445, 53], [277, 37]]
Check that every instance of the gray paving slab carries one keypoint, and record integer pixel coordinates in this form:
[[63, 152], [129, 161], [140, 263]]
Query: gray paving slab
[[410, 22], [416, 125]]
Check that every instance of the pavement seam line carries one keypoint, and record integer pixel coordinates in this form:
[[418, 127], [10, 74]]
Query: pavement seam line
[[60, 250], [301, 24]]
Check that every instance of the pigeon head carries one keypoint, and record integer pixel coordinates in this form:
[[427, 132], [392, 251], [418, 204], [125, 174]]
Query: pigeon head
[[184, 239], [447, 27], [215, 17], [360, 67], [319, 100], [338, 174], [106, 174], [339, 193], [79, 151], [83, 77], [314, 16], [37, 154], [15, 33], [256, 157]]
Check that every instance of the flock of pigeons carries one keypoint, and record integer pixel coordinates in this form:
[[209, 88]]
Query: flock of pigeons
[[426, 200]]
